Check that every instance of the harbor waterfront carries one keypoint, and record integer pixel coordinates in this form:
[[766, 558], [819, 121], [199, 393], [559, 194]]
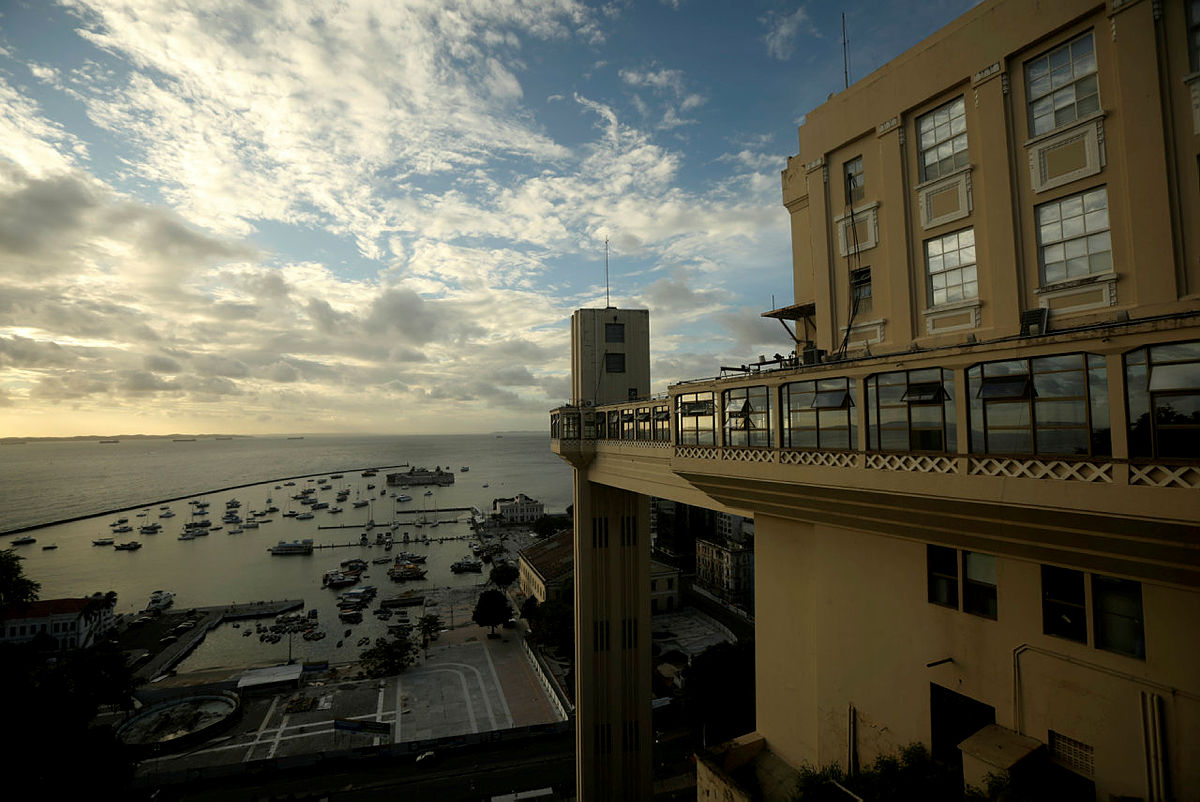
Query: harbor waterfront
[[132, 478]]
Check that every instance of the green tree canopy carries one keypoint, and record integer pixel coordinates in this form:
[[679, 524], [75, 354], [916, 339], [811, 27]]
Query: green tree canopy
[[388, 657], [504, 574], [15, 587], [719, 692], [530, 609], [491, 610]]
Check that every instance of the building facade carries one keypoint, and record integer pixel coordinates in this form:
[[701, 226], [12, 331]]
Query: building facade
[[664, 588], [519, 509], [545, 567], [610, 355], [726, 568], [975, 483], [70, 623]]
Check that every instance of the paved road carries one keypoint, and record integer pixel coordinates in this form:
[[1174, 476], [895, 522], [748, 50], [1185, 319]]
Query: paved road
[[470, 774]]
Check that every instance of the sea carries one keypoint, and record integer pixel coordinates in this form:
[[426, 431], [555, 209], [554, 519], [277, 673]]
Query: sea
[[80, 487]]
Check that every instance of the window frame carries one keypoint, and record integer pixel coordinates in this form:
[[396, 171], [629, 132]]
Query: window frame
[[854, 181], [813, 401], [1149, 437], [742, 414], [1100, 637], [1027, 413], [980, 597], [968, 287], [928, 123], [946, 556], [1056, 604], [882, 386], [611, 329], [695, 408], [1089, 77], [611, 359], [1062, 245]]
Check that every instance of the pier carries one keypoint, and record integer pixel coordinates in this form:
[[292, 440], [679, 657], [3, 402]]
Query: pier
[[209, 619]]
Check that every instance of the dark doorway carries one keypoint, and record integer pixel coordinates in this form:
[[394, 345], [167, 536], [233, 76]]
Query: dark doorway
[[952, 719]]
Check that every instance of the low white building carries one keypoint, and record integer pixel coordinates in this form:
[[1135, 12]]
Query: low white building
[[518, 510], [664, 588], [71, 623]]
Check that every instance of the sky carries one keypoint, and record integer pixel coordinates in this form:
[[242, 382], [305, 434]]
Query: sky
[[376, 217]]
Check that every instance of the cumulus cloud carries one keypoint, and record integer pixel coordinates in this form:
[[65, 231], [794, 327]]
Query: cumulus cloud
[[784, 29]]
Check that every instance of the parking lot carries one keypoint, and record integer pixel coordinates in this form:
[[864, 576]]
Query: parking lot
[[468, 684]]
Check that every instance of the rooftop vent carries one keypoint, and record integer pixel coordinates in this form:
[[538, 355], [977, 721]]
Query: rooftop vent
[[1035, 322]]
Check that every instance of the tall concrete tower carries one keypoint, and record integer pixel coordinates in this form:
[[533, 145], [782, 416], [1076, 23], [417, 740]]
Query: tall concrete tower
[[610, 363], [610, 355]]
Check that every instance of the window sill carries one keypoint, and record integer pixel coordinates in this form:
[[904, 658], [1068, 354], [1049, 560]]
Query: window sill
[[1095, 115], [953, 306], [934, 181], [1070, 284]]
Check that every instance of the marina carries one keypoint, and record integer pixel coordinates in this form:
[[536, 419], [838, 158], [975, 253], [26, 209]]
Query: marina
[[211, 565]]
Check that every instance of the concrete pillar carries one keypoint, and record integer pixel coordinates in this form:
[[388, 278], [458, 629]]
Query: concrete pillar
[[613, 734]]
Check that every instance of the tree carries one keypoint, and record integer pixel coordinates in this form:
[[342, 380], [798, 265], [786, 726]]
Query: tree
[[503, 575], [530, 609], [15, 587], [429, 626], [719, 692], [388, 657], [491, 610]]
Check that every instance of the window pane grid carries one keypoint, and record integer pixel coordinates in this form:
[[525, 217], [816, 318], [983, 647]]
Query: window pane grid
[[950, 263], [1062, 85], [1073, 236], [943, 137]]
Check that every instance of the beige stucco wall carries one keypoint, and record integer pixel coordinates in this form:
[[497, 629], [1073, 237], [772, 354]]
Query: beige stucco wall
[[843, 618]]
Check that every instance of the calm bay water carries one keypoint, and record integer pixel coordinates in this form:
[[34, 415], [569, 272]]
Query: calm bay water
[[56, 480]]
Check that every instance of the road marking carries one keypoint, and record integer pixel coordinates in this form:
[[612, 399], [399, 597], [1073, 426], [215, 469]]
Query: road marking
[[261, 727], [482, 690], [278, 735], [466, 693], [499, 688], [379, 709], [399, 712]]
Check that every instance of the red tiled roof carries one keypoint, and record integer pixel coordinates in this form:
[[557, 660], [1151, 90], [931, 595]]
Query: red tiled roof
[[553, 557], [42, 609]]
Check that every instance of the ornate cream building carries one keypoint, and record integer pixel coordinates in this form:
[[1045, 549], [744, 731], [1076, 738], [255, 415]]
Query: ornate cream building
[[974, 483]]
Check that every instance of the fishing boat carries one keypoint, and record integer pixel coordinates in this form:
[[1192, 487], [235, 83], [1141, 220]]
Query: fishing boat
[[132, 545], [102, 541], [467, 565], [187, 536], [24, 541], [50, 547]]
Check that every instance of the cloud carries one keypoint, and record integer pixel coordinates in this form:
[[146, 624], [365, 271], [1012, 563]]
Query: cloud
[[783, 30]]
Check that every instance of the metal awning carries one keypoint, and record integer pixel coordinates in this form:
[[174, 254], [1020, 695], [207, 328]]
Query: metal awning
[[793, 312]]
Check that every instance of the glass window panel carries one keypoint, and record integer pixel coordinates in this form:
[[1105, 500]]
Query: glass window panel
[[1180, 376], [1005, 387], [894, 439], [1009, 441], [1175, 352], [1078, 267], [1073, 226], [1072, 442], [803, 438], [1117, 613], [1061, 413], [1064, 612], [1088, 105], [1010, 414], [1052, 253], [1100, 263]]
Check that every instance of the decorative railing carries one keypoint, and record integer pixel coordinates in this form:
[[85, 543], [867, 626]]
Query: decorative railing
[[822, 459], [697, 452], [916, 463], [737, 454], [636, 443], [1042, 469], [1185, 476]]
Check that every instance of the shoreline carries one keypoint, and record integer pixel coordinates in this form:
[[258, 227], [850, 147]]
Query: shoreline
[[74, 518]]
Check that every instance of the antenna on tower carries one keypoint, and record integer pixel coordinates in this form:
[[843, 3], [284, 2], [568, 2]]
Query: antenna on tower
[[845, 54], [607, 302]]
